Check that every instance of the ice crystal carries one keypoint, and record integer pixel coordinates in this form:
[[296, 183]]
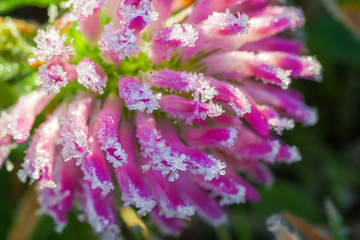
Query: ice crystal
[[88, 76], [226, 23], [52, 78], [51, 45], [109, 142], [117, 42], [138, 96]]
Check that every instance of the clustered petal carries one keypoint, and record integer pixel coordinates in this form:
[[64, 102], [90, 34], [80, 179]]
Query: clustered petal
[[181, 113]]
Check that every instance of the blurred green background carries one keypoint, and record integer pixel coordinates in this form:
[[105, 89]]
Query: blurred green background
[[331, 150]]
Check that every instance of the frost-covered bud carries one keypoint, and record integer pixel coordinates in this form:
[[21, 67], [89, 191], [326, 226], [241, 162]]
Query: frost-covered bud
[[136, 14], [52, 78], [74, 136], [137, 96], [225, 24], [90, 74], [185, 82], [51, 45], [171, 37], [82, 9], [117, 42]]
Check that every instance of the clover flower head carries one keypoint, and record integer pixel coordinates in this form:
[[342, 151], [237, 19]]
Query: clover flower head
[[167, 106]]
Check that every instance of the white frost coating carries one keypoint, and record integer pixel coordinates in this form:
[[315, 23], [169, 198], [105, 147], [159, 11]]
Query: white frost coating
[[240, 99], [313, 117], [275, 150], [87, 75], [106, 186], [52, 79], [108, 139], [99, 223], [314, 67], [229, 199], [181, 212], [227, 22], [284, 76], [233, 135], [51, 44], [163, 158], [143, 10], [201, 88], [47, 201], [72, 138], [281, 124], [145, 205], [37, 156], [118, 42], [84, 8], [216, 169], [186, 35], [135, 99], [295, 155]]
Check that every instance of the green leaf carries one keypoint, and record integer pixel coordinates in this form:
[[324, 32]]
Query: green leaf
[[8, 95], [8, 5]]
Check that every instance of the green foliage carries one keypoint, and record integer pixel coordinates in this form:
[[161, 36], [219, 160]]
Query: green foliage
[[8, 5]]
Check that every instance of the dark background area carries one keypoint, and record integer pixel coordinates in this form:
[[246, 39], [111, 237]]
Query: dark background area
[[330, 167]]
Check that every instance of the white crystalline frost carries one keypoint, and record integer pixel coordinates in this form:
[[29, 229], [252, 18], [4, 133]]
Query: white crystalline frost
[[229, 199], [87, 75], [106, 186], [163, 158], [145, 205], [52, 79], [118, 41], [136, 100], [81, 9], [143, 9], [108, 139], [201, 88], [281, 124], [51, 44], [284, 76], [232, 138], [73, 139], [240, 104], [216, 169], [186, 35], [227, 20]]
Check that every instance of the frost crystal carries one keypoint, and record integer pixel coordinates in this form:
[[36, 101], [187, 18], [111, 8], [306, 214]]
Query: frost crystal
[[177, 35], [138, 16], [74, 130], [216, 169], [138, 96], [52, 78], [109, 142], [51, 45], [185, 82], [226, 23], [233, 135], [88, 76], [163, 158], [239, 197], [117, 42], [84, 8], [91, 176], [144, 204], [200, 87]]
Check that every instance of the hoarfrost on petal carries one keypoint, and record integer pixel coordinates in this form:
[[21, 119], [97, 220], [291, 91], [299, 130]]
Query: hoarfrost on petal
[[52, 78], [50, 44], [88, 76]]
